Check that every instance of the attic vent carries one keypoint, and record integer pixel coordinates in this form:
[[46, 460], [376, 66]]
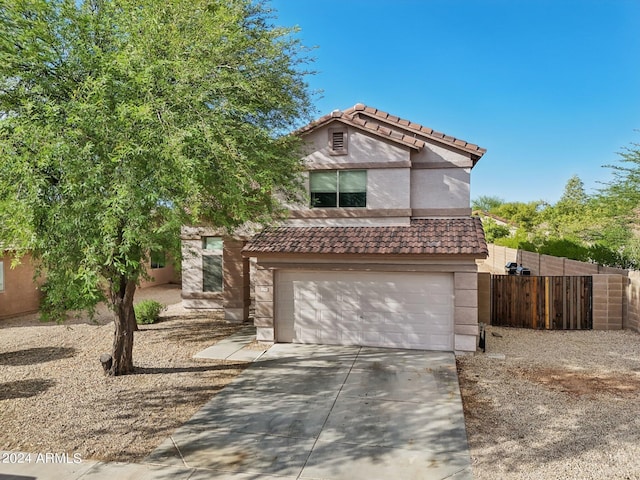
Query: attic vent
[[338, 141]]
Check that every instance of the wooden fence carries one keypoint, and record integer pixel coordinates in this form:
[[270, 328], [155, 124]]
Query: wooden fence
[[551, 303]]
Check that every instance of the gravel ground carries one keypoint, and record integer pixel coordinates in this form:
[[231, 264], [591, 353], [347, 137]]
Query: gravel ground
[[558, 405], [552, 405], [55, 398]]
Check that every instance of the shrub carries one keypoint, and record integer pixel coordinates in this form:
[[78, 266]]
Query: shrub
[[147, 311]]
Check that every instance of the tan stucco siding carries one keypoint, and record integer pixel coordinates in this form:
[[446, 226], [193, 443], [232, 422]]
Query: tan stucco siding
[[362, 148], [388, 188], [446, 188], [436, 154]]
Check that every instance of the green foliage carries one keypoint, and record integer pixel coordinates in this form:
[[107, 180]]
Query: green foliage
[[519, 240], [486, 203], [526, 215], [120, 121], [124, 120], [564, 247], [148, 311], [493, 231]]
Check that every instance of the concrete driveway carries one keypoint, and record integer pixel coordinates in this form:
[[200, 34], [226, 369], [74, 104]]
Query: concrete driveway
[[329, 412]]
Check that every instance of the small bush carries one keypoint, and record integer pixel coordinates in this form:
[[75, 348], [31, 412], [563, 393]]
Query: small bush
[[147, 311]]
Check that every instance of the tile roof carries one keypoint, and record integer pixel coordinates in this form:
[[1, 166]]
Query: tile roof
[[434, 236], [359, 110], [369, 119], [366, 125]]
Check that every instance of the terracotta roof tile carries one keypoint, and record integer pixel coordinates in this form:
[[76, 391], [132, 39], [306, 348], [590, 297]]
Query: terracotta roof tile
[[359, 110], [436, 236], [363, 124]]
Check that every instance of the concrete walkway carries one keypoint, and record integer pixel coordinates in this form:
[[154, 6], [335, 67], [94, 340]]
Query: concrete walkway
[[310, 412], [234, 348]]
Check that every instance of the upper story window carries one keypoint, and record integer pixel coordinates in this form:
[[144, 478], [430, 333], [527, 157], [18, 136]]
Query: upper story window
[[338, 141], [338, 188]]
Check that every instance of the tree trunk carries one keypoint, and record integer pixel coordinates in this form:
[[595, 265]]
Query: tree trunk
[[125, 325]]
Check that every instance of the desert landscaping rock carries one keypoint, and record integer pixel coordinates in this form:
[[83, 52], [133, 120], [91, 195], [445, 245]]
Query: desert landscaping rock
[[54, 396], [561, 405], [556, 405]]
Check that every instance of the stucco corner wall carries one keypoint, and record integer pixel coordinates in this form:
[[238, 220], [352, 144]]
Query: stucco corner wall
[[465, 311], [264, 302]]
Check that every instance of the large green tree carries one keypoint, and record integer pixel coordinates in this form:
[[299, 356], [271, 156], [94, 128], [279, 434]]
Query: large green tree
[[122, 120]]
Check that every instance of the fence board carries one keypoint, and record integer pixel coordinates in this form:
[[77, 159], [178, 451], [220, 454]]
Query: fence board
[[542, 302]]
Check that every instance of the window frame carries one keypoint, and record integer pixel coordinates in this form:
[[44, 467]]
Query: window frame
[[207, 254], [338, 192]]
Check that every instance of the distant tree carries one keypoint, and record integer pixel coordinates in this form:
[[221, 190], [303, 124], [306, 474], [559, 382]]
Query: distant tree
[[571, 215], [525, 215], [493, 230], [122, 120], [563, 247], [617, 208], [520, 239], [486, 203]]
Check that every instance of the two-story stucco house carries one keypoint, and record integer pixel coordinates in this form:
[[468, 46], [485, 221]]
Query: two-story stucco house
[[384, 253]]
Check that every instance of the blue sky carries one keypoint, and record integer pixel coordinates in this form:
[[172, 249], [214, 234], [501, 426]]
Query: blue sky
[[551, 88]]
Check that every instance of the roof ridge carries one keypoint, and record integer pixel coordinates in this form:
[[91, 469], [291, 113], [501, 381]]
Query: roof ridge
[[389, 133], [360, 108]]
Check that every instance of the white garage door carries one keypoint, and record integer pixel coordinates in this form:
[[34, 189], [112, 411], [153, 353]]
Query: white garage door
[[398, 310]]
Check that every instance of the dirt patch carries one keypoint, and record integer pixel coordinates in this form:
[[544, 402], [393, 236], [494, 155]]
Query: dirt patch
[[583, 383], [54, 396], [549, 405]]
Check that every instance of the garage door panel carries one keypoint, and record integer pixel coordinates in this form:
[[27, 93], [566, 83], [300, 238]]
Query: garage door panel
[[400, 310]]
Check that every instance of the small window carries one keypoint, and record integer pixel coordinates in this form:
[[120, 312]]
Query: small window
[[211, 273], [338, 141], [1, 276], [158, 260], [342, 188], [212, 243], [212, 264]]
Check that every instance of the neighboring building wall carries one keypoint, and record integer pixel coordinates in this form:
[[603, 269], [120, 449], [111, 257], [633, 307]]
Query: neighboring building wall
[[161, 276], [19, 295]]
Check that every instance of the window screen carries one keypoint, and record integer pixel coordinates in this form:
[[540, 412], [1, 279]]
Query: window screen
[[324, 189], [353, 188], [211, 273], [342, 188]]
